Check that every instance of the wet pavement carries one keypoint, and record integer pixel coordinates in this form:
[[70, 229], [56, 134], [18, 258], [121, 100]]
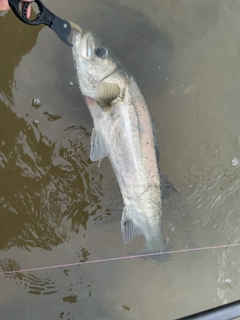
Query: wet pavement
[[57, 207]]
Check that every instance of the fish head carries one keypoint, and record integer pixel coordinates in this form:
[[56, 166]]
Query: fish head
[[94, 64]]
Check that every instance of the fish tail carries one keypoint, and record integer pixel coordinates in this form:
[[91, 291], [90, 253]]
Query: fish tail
[[157, 251]]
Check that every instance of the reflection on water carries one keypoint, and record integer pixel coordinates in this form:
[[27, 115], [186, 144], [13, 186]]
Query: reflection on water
[[45, 185], [57, 207]]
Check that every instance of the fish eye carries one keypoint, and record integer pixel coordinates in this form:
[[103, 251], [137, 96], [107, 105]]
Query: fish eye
[[101, 52]]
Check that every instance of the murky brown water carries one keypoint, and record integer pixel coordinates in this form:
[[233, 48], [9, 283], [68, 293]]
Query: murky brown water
[[57, 207]]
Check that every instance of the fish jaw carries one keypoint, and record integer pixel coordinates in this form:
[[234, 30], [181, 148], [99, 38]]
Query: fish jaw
[[83, 48], [91, 69]]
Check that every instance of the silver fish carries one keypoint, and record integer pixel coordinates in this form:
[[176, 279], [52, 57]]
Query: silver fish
[[123, 131]]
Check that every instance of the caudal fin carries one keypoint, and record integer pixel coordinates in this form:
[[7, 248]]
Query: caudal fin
[[158, 253]]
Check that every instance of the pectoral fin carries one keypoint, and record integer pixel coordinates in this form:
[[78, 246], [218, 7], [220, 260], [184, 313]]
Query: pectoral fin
[[98, 146], [128, 227], [105, 93]]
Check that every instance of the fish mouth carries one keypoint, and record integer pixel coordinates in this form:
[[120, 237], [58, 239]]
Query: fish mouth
[[78, 31], [83, 44], [77, 27]]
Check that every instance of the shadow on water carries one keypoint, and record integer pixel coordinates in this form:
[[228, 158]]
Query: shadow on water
[[134, 40]]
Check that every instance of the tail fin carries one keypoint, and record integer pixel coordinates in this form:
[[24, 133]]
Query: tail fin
[[158, 254]]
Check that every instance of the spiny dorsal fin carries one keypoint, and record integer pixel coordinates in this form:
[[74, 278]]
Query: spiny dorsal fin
[[105, 93]]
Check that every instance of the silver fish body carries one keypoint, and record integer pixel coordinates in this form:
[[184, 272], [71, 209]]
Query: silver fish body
[[123, 131]]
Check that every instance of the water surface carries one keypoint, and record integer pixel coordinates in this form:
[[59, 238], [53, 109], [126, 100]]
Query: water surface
[[57, 207]]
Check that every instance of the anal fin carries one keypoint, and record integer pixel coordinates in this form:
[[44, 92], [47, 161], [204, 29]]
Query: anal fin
[[98, 146], [129, 229]]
